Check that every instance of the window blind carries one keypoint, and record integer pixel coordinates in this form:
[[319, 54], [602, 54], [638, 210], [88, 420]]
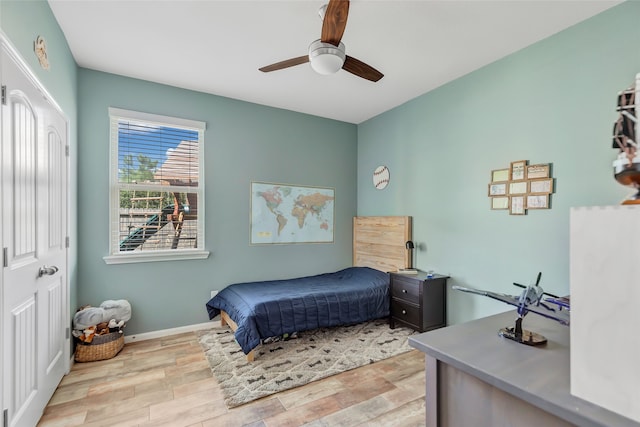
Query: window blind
[[157, 184]]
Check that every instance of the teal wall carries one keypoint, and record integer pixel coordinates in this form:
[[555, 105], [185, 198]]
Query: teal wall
[[22, 22], [243, 142], [553, 102]]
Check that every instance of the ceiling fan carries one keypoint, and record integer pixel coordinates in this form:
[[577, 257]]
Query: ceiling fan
[[327, 54]]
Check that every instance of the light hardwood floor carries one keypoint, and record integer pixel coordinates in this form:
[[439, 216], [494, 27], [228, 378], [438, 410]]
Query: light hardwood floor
[[168, 382]]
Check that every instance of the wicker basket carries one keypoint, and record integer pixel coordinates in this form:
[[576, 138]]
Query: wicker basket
[[101, 348]]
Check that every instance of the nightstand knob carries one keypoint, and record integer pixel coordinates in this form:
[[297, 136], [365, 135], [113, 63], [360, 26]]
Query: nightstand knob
[[404, 291], [404, 311]]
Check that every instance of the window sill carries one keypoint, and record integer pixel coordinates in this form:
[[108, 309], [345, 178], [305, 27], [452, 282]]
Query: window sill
[[170, 255]]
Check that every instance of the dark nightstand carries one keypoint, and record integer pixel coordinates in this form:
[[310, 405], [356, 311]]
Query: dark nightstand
[[418, 301]]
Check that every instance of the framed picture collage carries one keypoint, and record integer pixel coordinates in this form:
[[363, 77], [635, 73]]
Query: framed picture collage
[[521, 187]]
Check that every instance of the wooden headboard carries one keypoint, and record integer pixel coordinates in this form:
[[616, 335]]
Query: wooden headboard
[[380, 242]]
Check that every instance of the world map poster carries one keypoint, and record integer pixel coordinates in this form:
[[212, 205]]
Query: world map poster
[[282, 213]]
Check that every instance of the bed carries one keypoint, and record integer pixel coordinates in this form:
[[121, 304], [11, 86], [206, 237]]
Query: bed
[[256, 311]]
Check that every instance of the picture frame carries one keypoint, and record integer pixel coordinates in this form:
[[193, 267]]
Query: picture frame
[[518, 170], [273, 220], [498, 203], [541, 186], [538, 171], [517, 205], [537, 201], [498, 189], [521, 187], [518, 187], [499, 175]]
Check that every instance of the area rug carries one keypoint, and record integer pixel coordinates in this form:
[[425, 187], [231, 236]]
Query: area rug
[[285, 364]]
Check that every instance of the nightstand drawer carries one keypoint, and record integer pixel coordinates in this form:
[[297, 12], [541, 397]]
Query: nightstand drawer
[[408, 290], [405, 312]]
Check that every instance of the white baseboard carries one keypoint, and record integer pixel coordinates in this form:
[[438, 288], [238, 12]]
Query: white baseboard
[[173, 331]]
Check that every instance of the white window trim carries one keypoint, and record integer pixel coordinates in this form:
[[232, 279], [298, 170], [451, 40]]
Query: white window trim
[[172, 255], [116, 257]]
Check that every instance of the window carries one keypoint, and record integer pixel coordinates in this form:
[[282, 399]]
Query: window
[[156, 194]]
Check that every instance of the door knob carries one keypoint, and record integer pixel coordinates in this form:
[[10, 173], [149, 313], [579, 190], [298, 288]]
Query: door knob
[[50, 271]]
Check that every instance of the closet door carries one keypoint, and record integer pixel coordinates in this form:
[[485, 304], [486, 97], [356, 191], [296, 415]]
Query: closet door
[[35, 313]]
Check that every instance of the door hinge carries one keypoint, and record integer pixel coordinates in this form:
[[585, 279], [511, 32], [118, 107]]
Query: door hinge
[[5, 257], [5, 418], [4, 95], [67, 333], [66, 242], [66, 150]]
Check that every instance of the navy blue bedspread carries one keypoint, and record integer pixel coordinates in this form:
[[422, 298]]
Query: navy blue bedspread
[[276, 307]]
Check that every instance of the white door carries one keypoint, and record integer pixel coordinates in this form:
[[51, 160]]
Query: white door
[[35, 312]]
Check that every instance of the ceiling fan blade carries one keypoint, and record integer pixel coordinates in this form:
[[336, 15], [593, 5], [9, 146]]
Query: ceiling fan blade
[[285, 64], [360, 69], [335, 21]]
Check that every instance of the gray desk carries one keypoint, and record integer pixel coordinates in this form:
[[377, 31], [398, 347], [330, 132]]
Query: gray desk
[[476, 378]]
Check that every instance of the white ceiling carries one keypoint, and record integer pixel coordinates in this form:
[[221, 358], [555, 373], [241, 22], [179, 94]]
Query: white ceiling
[[217, 46]]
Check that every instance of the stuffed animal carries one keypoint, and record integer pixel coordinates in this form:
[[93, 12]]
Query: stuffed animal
[[114, 325], [102, 328], [87, 316], [88, 334]]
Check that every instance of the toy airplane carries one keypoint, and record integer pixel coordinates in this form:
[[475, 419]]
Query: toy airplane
[[530, 300]]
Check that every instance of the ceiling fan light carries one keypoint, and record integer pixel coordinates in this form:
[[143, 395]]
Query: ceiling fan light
[[326, 58], [327, 63]]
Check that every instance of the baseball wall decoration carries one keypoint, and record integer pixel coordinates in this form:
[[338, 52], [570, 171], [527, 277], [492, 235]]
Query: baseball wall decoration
[[381, 177]]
